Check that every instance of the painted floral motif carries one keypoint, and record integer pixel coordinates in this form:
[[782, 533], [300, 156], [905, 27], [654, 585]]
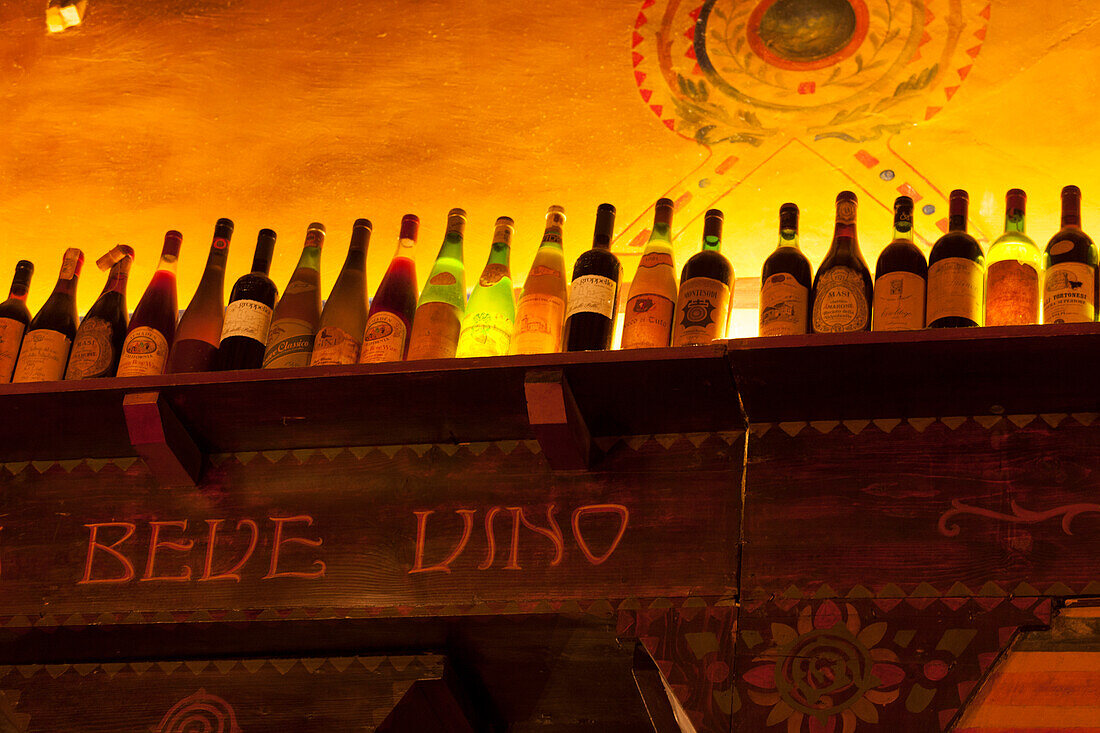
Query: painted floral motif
[[827, 675]]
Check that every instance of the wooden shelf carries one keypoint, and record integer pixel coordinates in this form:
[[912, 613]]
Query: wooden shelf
[[443, 401]]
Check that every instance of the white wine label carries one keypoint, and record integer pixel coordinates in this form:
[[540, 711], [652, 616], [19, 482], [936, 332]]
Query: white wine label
[[435, 331], [11, 336], [443, 287], [43, 356], [840, 303], [384, 339], [956, 289], [702, 312], [647, 321], [92, 352], [1011, 294], [592, 294], [334, 346], [249, 318], [485, 334], [898, 302], [300, 286], [655, 259], [1069, 293], [289, 344], [539, 320], [144, 353], [784, 306], [492, 274]]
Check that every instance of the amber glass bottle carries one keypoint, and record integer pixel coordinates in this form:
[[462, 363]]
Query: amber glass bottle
[[199, 330], [14, 317], [345, 315], [49, 337], [298, 314], [153, 325], [98, 343]]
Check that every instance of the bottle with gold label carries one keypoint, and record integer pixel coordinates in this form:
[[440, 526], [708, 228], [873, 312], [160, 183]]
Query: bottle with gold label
[[98, 343], [298, 313], [248, 315], [1069, 279], [438, 318], [490, 316], [706, 289], [391, 312], [594, 293], [540, 314], [651, 299], [345, 315], [841, 298], [956, 272], [199, 330], [901, 275], [153, 325], [45, 349], [14, 317], [785, 282], [1012, 295]]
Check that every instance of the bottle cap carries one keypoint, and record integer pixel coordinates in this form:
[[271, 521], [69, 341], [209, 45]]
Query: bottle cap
[[410, 226], [556, 209], [24, 266], [315, 235], [172, 242], [714, 214], [1071, 191], [115, 254], [361, 223], [665, 203], [1015, 199], [456, 212], [503, 230], [846, 196], [959, 193], [223, 228]]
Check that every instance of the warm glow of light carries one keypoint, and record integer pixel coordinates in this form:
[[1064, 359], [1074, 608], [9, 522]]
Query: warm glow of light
[[62, 14]]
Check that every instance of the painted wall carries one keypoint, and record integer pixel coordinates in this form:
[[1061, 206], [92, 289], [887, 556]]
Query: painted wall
[[276, 113]]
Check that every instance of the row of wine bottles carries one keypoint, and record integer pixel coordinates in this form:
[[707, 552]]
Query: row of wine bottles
[[957, 285], [952, 287]]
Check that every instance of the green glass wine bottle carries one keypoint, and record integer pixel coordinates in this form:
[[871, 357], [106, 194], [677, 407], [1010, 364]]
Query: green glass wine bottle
[[438, 319], [490, 318]]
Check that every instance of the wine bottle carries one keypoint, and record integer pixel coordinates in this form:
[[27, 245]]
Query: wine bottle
[[294, 323], [98, 343], [1069, 280], [199, 330], [438, 318], [45, 349], [647, 321], [14, 317], [248, 315], [785, 282], [153, 325], [901, 277], [956, 272], [842, 286], [1015, 263], [594, 296], [490, 316], [540, 314], [344, 318], [706, 289], [391, 312]]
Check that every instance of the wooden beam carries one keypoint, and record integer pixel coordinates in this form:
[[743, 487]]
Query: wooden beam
[[559, 426], [665, 712], [161, 439]]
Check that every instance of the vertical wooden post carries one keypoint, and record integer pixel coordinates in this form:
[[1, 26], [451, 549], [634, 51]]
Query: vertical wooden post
[[557, 421], [665, 712], [161, 439]]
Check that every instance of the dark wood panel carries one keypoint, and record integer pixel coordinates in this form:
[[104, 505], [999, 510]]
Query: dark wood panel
[[970, 371], [411, 531], [974, 510]]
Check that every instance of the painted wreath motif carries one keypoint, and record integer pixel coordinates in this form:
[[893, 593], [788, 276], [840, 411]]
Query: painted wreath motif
[[827, 674]]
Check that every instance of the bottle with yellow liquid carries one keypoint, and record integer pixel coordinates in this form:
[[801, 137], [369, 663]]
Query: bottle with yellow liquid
[[438, 318], [1015, 266], [652, 298], [490, 316], [540, 314]]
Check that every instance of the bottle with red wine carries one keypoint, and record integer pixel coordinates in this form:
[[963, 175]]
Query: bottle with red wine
[[706, 290], [956, 272], [842, 287], [344, 318], [14, 317], [248, 315], [153, 325], [391, 312], [785, 282], [594, 298], [98, 343], [199, 330], [49, 337], [901, 276], [298, 312], [1069, 278]]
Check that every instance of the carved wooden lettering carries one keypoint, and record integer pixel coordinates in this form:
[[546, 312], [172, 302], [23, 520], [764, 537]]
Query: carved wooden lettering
[[279, 541], [155, 543], [234, 573], [94, 547], [551, 532]]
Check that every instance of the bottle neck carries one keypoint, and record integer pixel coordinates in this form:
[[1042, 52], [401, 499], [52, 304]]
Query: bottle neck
[[120, 275], [1015, 221], [452, 245], [712, 231], [788, 226], [405, 248], [19, 287], [956, 220], [499, 253], [551, 237], [357, 252], [1071, 211], [70, 273], [903, 226], [214, 273], [712, 243], [310, 259], [788, 238], [167, 263]]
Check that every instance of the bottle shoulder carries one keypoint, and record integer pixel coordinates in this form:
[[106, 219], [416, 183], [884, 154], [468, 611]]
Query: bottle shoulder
[[707, 263], [956, 244], [1070, 244], [901, 256]]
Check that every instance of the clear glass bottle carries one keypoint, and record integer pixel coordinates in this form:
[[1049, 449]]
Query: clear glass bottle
[[651, 300], [1015, 265], [490, 316], [540, 314], [345, 315]]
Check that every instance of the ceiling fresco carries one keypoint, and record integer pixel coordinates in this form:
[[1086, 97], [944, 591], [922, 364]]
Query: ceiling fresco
[[151, 116]]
